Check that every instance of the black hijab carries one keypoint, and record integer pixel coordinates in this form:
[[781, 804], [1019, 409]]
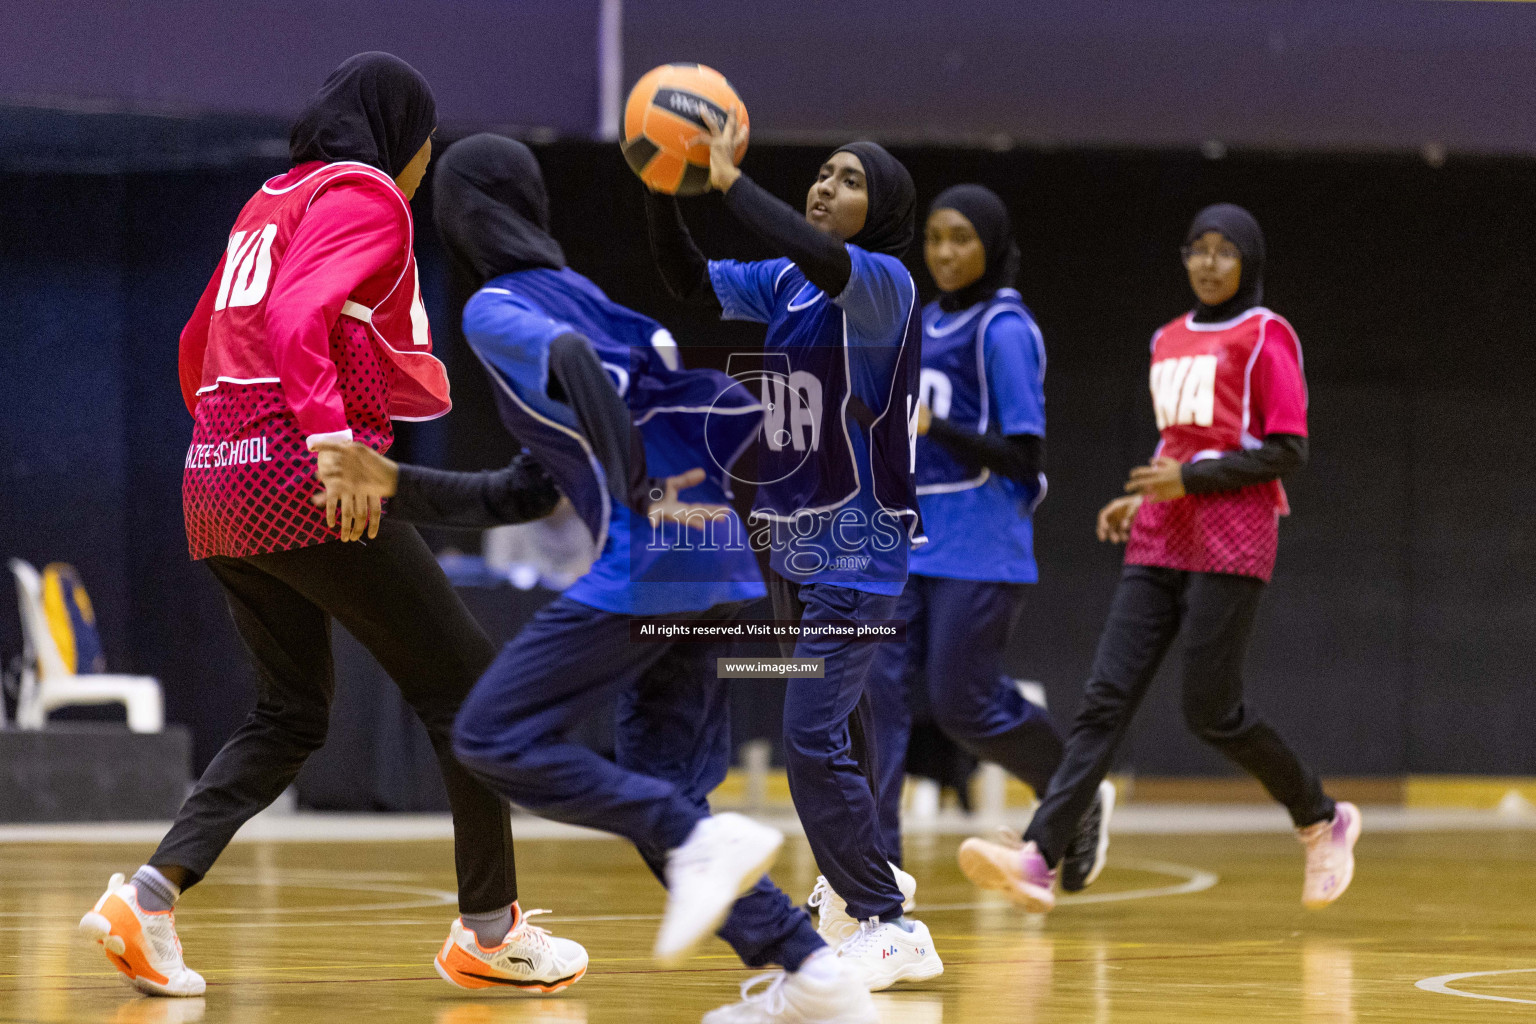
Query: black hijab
[[374, 108], [1237, 226], [891, 220], [987, 214], [491, 209]]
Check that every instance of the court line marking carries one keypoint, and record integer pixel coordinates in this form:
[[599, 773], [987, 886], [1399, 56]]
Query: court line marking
[[182, 926], [1130, 819], [425, 897], [1442, 985], [1195, 880]]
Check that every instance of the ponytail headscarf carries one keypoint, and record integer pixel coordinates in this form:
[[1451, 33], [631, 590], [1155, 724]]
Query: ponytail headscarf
[[1237, 226], [374, 108], [891, 221], [989, 216]]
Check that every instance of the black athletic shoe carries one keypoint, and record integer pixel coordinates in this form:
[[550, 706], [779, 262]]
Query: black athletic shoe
[[1090, 846]]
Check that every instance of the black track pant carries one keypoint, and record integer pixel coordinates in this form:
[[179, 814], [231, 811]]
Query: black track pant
[[1152, 605], [391, 595]]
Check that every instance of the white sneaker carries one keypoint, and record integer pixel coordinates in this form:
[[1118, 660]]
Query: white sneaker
[[529, 959], [797, 999], [884, 954], [141, 944], [722, 858], [833, 922]]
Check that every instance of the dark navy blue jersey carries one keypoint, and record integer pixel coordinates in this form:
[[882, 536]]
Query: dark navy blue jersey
[[839, 382], [687, 419], [984, 371]]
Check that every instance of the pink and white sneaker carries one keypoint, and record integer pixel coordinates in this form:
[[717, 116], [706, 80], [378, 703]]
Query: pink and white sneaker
[[1018, 872], [1330, 847]]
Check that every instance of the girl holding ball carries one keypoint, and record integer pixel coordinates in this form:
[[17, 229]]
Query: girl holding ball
[[838, 505]]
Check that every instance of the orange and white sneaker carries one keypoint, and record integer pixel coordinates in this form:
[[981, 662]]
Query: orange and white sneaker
[[141, 944], [1330, 847], [529, 958]]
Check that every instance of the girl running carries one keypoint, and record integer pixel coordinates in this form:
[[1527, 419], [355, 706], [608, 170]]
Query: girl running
[[1201, 526], [312, 330], [836, 503], [595, 390], [980, 474]]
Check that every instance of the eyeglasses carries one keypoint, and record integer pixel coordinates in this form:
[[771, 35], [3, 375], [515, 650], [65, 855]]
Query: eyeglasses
[[1224, 255]]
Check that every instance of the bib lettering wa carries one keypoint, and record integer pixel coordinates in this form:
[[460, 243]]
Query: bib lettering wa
[[837, 417], [1204, 397], [1184, 391], [838, 376]]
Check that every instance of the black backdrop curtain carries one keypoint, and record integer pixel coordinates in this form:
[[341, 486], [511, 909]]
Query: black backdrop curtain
[[1394, 638]]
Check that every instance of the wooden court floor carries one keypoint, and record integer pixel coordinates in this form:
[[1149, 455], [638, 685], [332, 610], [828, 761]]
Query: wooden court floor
[[1179, 929]]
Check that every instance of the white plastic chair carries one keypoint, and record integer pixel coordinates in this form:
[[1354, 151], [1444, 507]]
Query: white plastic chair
[[47, 684]]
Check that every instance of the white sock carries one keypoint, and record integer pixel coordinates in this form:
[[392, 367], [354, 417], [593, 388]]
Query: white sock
[[821, 967]]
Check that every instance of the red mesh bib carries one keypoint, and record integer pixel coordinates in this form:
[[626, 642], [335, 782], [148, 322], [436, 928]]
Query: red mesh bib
[[1234, 532], [248, 479]]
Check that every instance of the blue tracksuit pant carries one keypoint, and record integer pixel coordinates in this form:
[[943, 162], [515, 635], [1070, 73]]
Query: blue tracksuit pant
[[672, 747], [833, 790], [951, 669]]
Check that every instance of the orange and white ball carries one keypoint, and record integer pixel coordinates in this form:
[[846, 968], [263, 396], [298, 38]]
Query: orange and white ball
[[666, 136]]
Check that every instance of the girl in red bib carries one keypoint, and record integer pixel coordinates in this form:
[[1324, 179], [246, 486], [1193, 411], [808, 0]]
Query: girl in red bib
[[312, 330], [1201, 524]]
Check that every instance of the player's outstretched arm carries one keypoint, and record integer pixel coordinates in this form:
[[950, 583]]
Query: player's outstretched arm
[[1279, 456], [821, 257], [1164, 479], [1019, 457], [578, 379], [431, 497]]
